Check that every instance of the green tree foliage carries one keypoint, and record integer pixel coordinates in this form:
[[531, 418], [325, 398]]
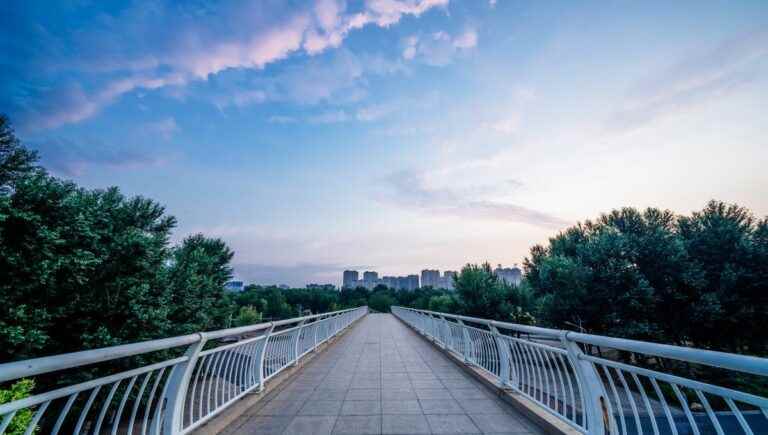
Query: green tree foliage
[[692, 280], [197, 274], [20, 390], [15, 160], [480, 293], [248, 315], [84, 268], [380, 301]]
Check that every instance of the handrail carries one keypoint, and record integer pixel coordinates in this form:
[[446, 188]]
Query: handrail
[[597, 394], [176, 395]]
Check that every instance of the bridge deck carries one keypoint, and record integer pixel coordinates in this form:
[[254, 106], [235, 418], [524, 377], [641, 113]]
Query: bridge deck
[[381, 378]]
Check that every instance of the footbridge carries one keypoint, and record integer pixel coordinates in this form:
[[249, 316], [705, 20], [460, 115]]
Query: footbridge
[[408, 372]]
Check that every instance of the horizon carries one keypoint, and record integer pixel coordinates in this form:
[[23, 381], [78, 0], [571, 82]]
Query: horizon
[[315, 137]]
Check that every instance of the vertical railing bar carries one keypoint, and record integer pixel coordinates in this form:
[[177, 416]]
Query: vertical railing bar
[[159, 408], [150, 399], [647, 403], [709, 411], [38, 414], [564, 402], [631, 400], [123, 401], [567, 370], [612, 384], [664, 404], [138, 401], [684, 404], [739, 416], [193, 392], [7, 421], [105, 406], [84, 412], [62, 414]]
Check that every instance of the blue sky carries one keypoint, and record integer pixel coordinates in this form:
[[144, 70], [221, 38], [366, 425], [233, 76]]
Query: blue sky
[[393, 134]]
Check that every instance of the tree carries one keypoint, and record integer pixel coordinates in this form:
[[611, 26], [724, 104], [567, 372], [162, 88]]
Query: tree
[[381, 302], [15, 160], [695, 280], [196, 277], [84, 268], [481, 293]]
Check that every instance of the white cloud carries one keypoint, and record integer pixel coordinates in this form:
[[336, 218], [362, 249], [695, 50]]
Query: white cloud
[[730, 66], [412, 189], [246, 35], [507, 125], [281, 119], [467, 39], [331, 117], [438, 48], [166, 128], [374, 112]]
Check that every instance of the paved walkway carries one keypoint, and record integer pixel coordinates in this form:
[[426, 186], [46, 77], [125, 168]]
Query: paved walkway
[[382, 378]]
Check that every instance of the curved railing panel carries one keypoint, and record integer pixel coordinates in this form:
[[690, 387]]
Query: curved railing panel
[[613, 391], [198, 376]]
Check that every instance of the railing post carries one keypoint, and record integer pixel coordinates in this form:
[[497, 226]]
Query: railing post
[[261, 351], [468, 353], [176, 391], [315, 328], [448, 334], [296, 342], [593, 391], [504, 356]]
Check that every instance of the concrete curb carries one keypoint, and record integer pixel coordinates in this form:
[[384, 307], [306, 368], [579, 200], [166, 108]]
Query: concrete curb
[[251, 403], [530, 409]]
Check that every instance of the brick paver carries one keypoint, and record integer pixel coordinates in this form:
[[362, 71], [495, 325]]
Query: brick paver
[[382, 378]]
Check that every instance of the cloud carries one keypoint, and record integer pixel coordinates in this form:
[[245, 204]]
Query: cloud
[[732, 65], [410, 189], [332, 117], [166, 128], [338, 79], [507, 125], [172, 44], [375, 112], [439, 48], [281, 119], [68, 158]]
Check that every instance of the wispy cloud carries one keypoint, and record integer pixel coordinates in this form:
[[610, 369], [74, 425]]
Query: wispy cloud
[[281, 119], [174, 44], [438, 48], [339, 79], [332, 117], [166, 127], [729, 67], [410, 189]]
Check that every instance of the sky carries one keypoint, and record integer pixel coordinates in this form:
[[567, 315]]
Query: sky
[[393, 135]]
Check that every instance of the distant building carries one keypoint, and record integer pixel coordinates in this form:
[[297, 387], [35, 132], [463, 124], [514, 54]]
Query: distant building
[[321, 287], [283, 287], [370, 279], [430, 278], [446, 281], [389, 281], [350, 279], [234, 286], [411, 282], [510, 275]]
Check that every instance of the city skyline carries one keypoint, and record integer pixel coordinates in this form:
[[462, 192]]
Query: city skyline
[[321, 135]]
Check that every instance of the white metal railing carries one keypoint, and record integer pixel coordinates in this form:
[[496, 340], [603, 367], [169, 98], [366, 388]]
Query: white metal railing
[[174, 396], [601, 394]]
